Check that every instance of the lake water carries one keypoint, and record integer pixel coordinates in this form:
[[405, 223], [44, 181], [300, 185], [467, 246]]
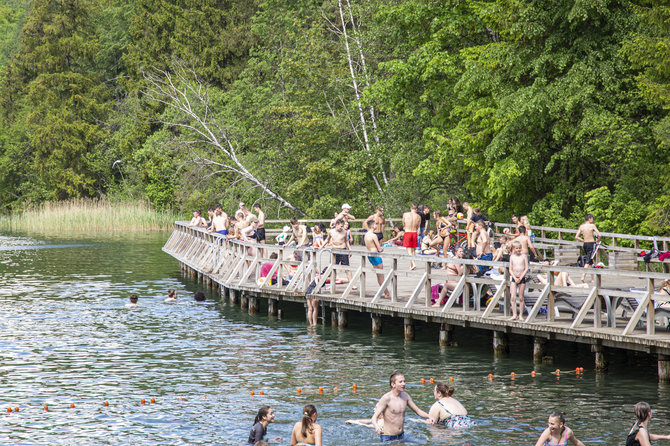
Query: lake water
[[67, 337]]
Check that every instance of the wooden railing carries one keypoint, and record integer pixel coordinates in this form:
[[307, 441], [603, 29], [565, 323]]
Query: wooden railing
[[237, 264]]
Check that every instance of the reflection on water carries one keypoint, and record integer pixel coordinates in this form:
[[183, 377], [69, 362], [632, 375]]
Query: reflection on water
[[66, 337]]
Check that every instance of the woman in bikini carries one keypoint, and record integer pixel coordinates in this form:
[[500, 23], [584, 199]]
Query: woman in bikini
[[639, 434], [557, 433], [443, 226], [447, 410], [306, 432]]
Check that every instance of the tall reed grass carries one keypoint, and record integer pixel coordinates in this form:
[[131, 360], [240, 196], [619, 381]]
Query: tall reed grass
[[91, 215]]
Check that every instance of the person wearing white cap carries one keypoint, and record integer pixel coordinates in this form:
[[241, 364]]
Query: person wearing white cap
[[345, 215]]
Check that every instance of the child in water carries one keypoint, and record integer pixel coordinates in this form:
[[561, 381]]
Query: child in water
[[265, 416], [557, 433], [172, 296], [133, 301], [306, 431]]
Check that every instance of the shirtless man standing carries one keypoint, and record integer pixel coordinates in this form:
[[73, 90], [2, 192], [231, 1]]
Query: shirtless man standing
[[299, 233], [483, 244], [380, 220], [197, 221], [518, 268], [371, 240], [589, 235], [219, 222], [526, 245], [392, 406], [411, 221], [337, 239]]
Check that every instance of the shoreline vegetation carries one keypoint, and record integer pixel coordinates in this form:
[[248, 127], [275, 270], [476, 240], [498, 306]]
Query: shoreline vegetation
[[77, 215]]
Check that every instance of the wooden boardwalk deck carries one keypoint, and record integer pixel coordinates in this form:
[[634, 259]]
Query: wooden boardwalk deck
[[619, 309]]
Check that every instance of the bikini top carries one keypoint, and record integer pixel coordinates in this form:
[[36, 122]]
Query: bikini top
[[560, 443]]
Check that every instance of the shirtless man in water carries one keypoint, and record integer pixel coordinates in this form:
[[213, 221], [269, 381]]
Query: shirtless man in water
[[371, 240], [337, 239], [411, 221], [392, 406], [588, 234]]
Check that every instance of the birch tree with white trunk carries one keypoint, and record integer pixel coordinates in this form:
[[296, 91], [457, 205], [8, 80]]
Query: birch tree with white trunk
[[210, 143]]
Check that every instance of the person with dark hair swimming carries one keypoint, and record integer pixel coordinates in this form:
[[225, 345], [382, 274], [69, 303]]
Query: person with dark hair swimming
[[306, 432], [265, 416], [199, 296], [639, 434], [447, 410]]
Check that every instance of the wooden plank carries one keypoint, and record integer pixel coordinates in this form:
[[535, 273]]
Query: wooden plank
[[273, 270], [417, 290], [540, 301], [352, 282], [380, 292], [496, 297], [588, 303], [455, 294], [635, 318]]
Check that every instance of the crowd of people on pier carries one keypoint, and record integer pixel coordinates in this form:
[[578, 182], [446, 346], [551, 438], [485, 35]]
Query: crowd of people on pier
[[388, 420]]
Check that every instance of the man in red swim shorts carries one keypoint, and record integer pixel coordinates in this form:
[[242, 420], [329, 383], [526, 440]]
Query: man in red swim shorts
[[411, 221]]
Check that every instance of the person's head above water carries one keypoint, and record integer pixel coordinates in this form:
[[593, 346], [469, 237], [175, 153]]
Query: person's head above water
[[199, 296], [133, 298]]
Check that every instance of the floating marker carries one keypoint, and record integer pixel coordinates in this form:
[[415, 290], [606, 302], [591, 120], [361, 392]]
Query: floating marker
[[320, 389], [16, 409], [153, 400], [253, 393], [181, 398], [423, 380], [106, 403], [335, 389], [558, 371], [532, 373], [512, 374], [432, 380], [205, 396], [354, 387], [72, 406], [142, 401], [299, 390], [490, 375], [46, 408], [451, 378], [9, 409]]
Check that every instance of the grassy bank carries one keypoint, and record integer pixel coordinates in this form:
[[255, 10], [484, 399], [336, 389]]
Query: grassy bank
[[89, 215]]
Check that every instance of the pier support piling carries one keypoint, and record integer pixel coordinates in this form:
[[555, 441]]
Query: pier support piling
[[446, 334], [233, 295], [244, 301], [409, 329], [341, 318], [539, 349], [376, 323], [601, 358], [272, 307], [333, 317], [500, 343], [254, 305], [664, 368]]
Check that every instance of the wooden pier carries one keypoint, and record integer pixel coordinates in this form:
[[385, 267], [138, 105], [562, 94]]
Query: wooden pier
[[619, 308]]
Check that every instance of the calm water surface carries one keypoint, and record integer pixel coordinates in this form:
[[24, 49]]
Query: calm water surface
[[66, 337]]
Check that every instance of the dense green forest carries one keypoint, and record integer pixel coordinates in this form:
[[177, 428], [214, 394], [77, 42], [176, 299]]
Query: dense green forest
[[547, 108]]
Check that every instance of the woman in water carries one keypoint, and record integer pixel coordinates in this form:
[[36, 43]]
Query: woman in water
[[447, 410], [557, 433], [306, 432], [639, 435], [265, 416]]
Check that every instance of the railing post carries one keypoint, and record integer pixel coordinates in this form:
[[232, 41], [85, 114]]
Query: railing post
[[651, 316], [598, 306], [361, 285], [333, 274], [394, 281], [427, 286]]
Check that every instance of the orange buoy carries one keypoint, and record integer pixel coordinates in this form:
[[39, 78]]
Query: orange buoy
[[9, 409], [558, 371], [432, 380], [451, 378], [16, 409], [533, 373], [335, 389], [299, 390], [106, 403], [261, 392], [512, 374], [142, 401], [423, 380], [581, 370], [253, 393], [490, 375], [320, 389], [72, 406], [46, 408], [181, 398], [153, 400], [354, 387]]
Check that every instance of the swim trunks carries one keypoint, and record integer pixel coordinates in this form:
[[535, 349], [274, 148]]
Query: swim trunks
[[385, 438], [223, 231], [410, 240], [380, 235], [260, 234], [342, 259], [374, 260], [588, 252]]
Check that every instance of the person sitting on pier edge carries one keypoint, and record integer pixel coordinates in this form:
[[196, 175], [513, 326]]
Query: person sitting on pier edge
[[430, 243], [639, 434], [447, 410], [559, 431], [283, 236], [197, 221], [306, 432], [265, 270]]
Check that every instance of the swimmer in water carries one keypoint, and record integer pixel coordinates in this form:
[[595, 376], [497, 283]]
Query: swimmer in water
[[557, 433], [259, 430], [172, 296], [133, 301], [447, 410], [306, 432], [199, 296]]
